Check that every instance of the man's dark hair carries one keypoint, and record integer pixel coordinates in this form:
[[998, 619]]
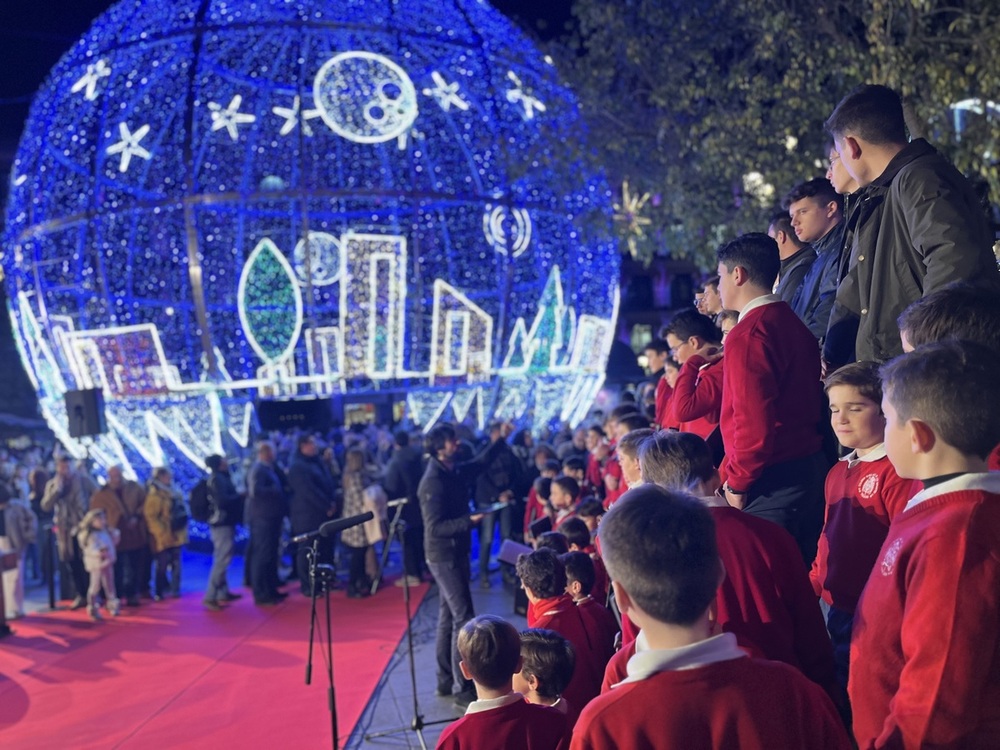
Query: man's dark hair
[[490, 647], [575, 463], [549, 658], [872, 113], [544, 449], [657, 345], [580, 568], [401, 438], [864, 376], [953, 387], [755, 253], [780, 221], [690, 322], [635, 421], [552, 464], [623, 410], [597, 430], [542, 571], [819, 189], [589, 509], [552, 540], [712, 281], [675, 460], [214, 461], [543, 487], [304, 438], [576, 532], [660, 547], [437, 437], [960, 310]]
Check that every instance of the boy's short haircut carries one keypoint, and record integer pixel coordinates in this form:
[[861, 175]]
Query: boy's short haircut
[[755, 253], [622, 410], [490, 647], [872, 113], [959, 310], [543, 487], [690, 322], [574, 463], [953, 387], [568, 484], [597, 430], [635, 421], [657, 345], [590, 509], [862, 376], [780, 221], [552, 464], [629, 444], [711, 281], [576, 532], [725, 315], [660, 547], [675, 460], [553, 540], [819, 189], [542, 571], [549, 658], [580, 568]]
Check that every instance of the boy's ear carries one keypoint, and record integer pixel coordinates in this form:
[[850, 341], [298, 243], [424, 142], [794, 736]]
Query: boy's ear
[[622, 597], [465, 671], [922, 437], [532, 681]]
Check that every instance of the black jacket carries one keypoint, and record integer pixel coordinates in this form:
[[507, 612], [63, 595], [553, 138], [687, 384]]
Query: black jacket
[[793, 271], [268, 501], [402, 477], [313, 493], [813, 301], [225, 502]]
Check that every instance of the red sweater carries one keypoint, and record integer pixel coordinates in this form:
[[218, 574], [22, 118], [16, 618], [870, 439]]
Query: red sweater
[[563, 616], [771, 393], [533, 510], [739, 703], [613, 469], [601, 580], [862, 497], [993, 460], [602, 624], [518, 724], [925, 655], [663, 395], [697, 398]]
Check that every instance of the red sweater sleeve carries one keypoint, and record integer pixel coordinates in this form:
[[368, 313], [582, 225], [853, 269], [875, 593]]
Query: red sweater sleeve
[[663, 395], [697, 392]]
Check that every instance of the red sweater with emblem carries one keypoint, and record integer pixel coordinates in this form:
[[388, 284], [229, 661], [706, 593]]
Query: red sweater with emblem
[[771, 393], [697, 398], [861, 500], [925, 654], [664, 393], [520, 724]]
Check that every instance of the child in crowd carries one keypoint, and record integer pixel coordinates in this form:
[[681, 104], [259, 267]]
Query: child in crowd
[[18, 529], [537, 506], [500, 718], [97, 545], [628, 454], [925, 655], [863, 494], [564, 494], [726, 321], [590, 512], [553, 540], [547, 663], [579, 580], [597, 442], [576, 467], [543, 578], [579, 538], [691, 689], [696, 344]]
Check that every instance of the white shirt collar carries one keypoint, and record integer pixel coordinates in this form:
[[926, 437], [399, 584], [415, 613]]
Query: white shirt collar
[[648, 662], [477, 707], [753, 304], [987, 481], [876, 453]]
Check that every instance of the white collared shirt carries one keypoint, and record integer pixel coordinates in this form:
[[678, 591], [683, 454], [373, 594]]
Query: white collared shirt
[[986, 481], [647, 662], [489, 704], [853, 459], [753, 304]]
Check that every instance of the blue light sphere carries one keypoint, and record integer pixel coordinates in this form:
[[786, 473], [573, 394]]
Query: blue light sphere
[[221, 201]]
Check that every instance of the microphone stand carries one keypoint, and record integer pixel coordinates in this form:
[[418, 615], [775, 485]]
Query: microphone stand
[[393, 525], [320, 575]]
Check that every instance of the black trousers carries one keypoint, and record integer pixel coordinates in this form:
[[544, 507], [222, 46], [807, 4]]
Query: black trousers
[[265, 538]]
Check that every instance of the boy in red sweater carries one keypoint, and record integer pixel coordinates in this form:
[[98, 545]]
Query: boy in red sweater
[[579, 576], [863, 494], [547, 662], [691, 689], [628, 452], [696, 344], [580, 539], [925, 656], [500, 718], [772, 402]]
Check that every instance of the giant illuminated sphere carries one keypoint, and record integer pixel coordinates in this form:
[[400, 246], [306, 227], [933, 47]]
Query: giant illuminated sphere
[[217, 201]]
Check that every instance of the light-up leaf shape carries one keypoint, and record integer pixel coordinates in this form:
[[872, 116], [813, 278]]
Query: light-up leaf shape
[[270, 303]]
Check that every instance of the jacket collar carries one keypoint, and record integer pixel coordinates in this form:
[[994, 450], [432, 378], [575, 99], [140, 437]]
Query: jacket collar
[[914, 150], [646, 663], [984, 482]]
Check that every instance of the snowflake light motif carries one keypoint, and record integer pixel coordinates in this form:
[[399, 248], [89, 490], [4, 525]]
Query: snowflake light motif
[[293, 115], [230, 117], [629, 213], [518, 95], [129, 146], [445, 93], [88, 82]]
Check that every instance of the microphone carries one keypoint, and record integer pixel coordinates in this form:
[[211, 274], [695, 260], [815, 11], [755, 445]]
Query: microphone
[[332, 527], [397, 503]]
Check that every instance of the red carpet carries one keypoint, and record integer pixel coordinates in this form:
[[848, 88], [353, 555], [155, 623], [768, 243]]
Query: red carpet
[[174, 675]]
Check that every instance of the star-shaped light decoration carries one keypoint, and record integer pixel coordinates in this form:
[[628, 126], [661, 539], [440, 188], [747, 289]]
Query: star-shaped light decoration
[[129, 146], [293, 117], [629, 213], [230, 117], [89, 80], [518, 95], [445, 93]]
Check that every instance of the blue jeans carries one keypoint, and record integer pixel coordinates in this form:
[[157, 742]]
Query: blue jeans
[[222, 556], [455, 610]]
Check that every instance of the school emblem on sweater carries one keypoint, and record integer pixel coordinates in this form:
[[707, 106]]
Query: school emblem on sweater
[[891, 555], [868, 486]]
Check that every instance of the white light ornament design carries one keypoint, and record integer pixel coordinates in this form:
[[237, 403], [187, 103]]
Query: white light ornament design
[[88, 82], [230, 117], [129, 146], [364, 97], [294, 115], [267, 292], [316, 258], [629, 213], [497, 221], [445, 93], [518, 95]]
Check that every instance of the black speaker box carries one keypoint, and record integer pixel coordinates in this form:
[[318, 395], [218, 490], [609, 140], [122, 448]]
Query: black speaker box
[[306, 413], [85, 412]]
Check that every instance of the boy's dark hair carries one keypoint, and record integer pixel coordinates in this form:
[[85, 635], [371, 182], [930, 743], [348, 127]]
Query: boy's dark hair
[[436, 438], [819, 189], [634, 421], [543, 448], [543, 487], [589, 509], [864, 376], [690, 322], [401, 438], [872, 113], [755, 253], [780, 221], [575, 463], [568, 484], [660, 547], [725, 315], [959, 310], [657, 345], [576, 532], [552, 464], [597, 429], [622, 410], [490, 647], [953, 387], [629, 444], [542, 571], [675, 460], [552, 540], [549, 658], [713, 281], [580, 568]]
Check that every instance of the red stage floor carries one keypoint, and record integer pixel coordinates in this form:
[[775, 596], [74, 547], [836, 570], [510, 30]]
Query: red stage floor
[[174, 675]]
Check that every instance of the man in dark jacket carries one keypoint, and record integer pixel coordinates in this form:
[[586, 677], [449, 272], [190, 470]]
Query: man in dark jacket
[[495, 480], [402, 477], [919, 222], [226, 506], [796, 257], [444, 503], [268, 505], [313, 503]]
